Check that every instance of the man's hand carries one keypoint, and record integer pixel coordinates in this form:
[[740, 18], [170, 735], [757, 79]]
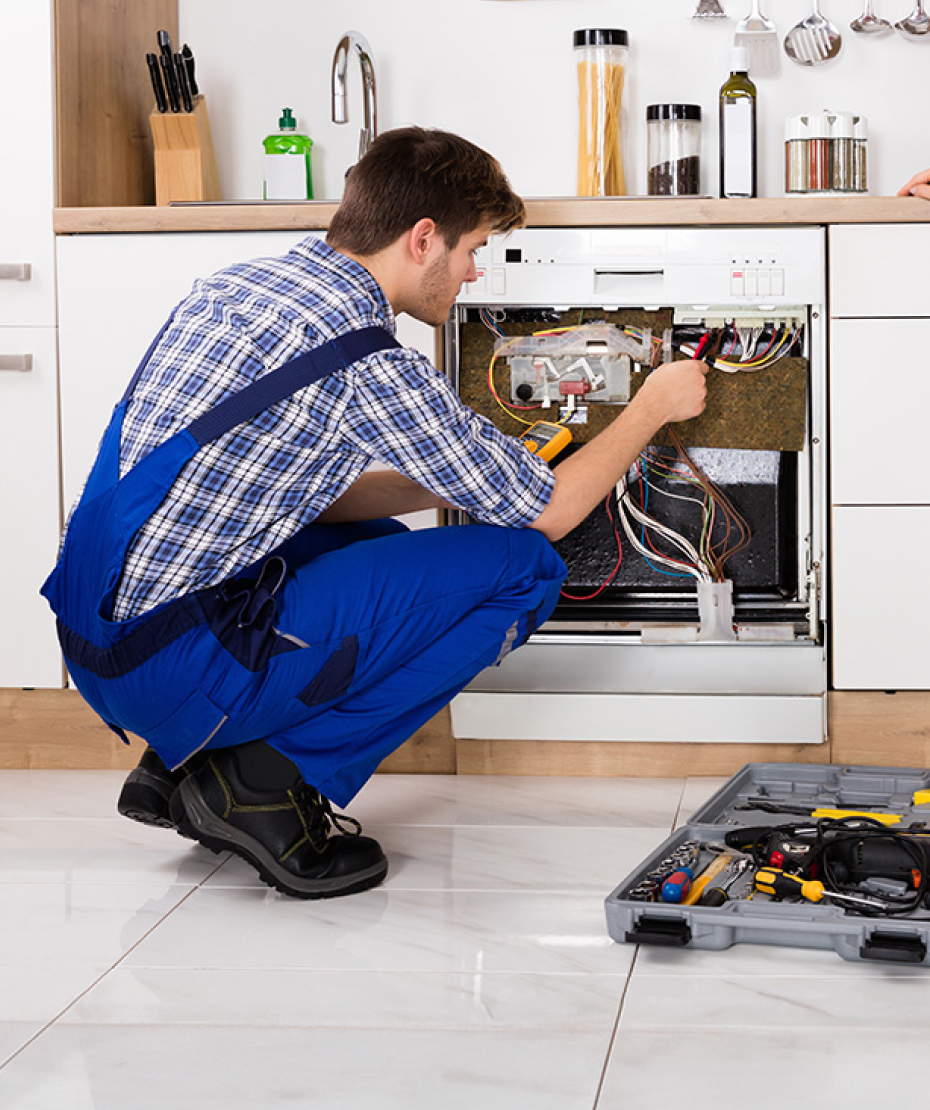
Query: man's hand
[[918, 186], [674, 391]]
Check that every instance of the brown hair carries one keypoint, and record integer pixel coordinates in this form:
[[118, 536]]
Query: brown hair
[[411, 173]]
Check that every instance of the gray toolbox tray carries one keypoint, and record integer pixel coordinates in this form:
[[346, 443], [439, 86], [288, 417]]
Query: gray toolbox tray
[[787, 790]]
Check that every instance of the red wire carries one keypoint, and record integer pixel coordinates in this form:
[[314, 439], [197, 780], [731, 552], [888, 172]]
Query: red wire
[[613, 573]]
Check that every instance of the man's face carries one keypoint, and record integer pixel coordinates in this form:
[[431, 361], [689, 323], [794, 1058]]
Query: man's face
[[444, 276]]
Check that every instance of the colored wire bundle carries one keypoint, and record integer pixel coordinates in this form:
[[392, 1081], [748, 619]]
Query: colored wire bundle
[[719, 347]]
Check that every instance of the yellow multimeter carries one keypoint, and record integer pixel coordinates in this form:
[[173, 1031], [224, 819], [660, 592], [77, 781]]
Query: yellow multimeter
[[545, 440]]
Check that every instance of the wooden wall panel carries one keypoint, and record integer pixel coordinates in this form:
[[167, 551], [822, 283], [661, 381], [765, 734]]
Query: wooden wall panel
[[874, 727], [104, 98], [55, 729]]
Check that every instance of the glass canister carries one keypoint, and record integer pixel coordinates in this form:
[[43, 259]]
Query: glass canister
[[601, 59], [842, 152], [860, 151], [797, 154], [673, 150]]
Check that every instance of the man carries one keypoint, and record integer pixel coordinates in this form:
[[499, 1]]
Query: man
[[231, 587]]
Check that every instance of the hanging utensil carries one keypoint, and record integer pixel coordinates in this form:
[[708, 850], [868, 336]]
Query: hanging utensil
[[814, 40], [869, 24], [760, 38], [709, 9], [916, 24]]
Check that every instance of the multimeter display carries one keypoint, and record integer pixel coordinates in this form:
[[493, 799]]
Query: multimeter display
[[546, 440]]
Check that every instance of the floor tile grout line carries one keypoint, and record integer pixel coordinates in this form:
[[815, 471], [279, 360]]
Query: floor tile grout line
[[74, 1001], [681, 802], [615, 1034]]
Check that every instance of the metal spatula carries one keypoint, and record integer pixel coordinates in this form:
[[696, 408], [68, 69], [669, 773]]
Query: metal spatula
[[760, 38], [814, 40]]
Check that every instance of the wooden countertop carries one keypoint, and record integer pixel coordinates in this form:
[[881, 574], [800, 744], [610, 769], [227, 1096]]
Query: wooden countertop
[[542, 212]]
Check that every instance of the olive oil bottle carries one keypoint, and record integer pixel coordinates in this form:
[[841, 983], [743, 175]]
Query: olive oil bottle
[[738, 129]]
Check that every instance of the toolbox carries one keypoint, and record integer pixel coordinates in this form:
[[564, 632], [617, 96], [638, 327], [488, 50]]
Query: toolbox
[[805, 856]]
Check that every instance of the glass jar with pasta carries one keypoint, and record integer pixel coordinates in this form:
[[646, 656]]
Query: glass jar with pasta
[[601, 60]]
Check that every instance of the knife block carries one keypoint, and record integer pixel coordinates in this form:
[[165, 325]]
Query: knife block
[[185, 164]]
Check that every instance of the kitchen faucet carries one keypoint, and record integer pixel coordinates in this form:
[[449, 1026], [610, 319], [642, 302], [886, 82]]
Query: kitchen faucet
[[340, 105]]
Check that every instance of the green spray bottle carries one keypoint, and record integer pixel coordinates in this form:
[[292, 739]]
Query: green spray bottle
[[287, 162]]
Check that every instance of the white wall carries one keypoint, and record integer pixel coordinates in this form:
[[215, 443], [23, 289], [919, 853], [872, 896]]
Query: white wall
[[501, 73]]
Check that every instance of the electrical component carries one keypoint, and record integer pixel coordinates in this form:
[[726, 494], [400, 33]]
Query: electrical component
[[590, 358]]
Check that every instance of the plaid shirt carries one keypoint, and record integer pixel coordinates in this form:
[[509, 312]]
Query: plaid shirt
[[253, 488]]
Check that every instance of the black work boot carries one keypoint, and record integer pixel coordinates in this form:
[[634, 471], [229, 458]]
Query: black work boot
[[290, 835], [148, 789]]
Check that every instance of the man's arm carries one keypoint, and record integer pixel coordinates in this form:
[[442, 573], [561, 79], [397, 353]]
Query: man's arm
[[380, 493], [675, 391]]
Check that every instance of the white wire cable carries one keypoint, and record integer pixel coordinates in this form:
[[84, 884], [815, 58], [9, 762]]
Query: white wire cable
[[629, 512]]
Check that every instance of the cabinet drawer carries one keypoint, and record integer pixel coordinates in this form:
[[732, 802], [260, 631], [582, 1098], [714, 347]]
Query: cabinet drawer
[[881, 603], [879, 401], [29, 508], [879, 270]]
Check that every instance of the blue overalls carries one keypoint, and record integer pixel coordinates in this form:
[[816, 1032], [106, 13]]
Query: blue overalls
[[334, 649]]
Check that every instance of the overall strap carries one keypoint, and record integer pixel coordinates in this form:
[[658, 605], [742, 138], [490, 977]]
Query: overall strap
[[294, 375]]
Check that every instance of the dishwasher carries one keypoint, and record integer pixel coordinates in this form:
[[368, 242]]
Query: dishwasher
[[693, 608]]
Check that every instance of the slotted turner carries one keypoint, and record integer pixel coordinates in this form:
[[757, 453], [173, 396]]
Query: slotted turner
[[760, 38], [814, 40]]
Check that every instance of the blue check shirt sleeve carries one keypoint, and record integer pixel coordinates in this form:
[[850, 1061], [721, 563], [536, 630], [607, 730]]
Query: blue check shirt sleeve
[[408, 416]]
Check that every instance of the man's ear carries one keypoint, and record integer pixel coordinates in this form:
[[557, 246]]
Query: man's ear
[[422, 239]]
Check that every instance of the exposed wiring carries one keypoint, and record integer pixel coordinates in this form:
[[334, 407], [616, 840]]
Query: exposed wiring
[[613, 574]]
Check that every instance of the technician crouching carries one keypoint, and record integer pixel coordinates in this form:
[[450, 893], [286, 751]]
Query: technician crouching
[[231, 587]]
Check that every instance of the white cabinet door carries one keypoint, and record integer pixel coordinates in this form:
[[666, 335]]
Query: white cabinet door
[[881, 604], [27, 139], [880, 398], [29, 654], [879, 270], [115, 292]]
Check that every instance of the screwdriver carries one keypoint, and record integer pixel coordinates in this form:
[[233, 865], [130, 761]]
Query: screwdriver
[[769, 880]]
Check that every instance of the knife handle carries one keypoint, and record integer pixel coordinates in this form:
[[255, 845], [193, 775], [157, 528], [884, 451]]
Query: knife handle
[[188, 55], [157, 87], [184, 88], [171, 82]]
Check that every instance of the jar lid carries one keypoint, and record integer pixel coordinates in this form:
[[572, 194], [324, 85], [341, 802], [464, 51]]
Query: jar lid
[[673, 111], [844, 124], [797, 127], [601, 36]]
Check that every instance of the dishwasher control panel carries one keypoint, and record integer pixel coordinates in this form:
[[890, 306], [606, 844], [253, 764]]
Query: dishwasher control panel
[[681, 266]]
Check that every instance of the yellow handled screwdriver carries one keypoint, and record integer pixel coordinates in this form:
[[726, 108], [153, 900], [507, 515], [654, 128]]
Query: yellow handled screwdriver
[[769, 880]]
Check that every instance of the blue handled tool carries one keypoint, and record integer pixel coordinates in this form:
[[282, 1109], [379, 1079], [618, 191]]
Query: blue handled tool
[[677, 885]]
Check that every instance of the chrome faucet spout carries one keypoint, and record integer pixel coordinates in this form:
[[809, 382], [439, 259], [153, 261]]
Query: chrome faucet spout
[[353, 40]]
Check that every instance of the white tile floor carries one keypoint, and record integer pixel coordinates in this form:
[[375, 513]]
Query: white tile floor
[[139, 971]]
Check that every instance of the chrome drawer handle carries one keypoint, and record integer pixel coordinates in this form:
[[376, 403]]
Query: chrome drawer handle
[[15, 362], [15, 271]]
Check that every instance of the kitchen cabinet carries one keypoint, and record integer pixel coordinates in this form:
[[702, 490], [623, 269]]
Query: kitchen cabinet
[[115, 293], [880, 496], [29, 493]]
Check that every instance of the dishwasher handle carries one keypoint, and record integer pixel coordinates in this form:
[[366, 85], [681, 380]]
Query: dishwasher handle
[[614, 282], [598, 272]]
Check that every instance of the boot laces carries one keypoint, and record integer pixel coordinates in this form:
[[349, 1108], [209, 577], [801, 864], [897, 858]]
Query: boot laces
[[317, 816]]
